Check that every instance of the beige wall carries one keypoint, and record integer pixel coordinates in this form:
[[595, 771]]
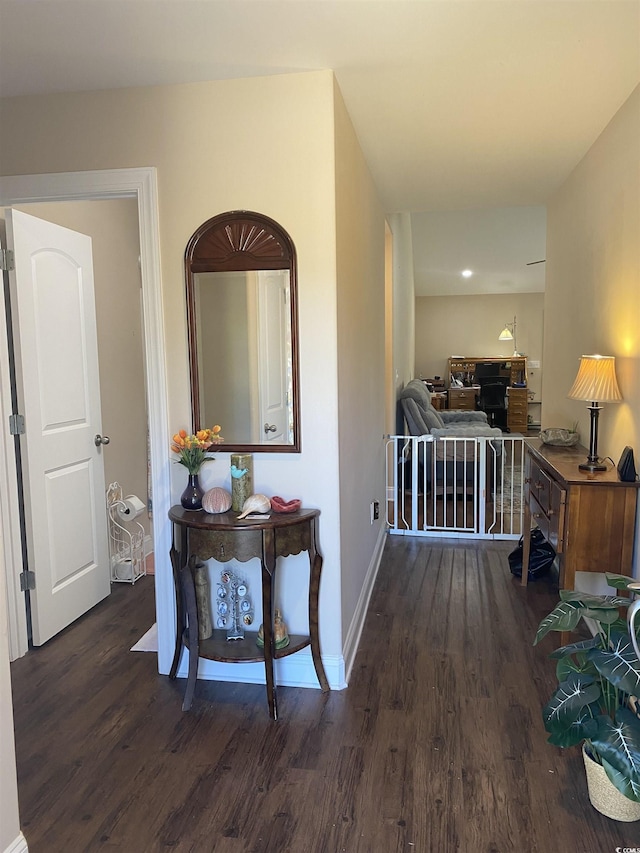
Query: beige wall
[[113, 228], [258, 144], [593, 281], [264, 144], [360, 229], [470, 325], [404, 326]]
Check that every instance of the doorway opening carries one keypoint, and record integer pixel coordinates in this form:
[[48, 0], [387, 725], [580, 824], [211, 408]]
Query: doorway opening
[[113, 228], [139, 185]]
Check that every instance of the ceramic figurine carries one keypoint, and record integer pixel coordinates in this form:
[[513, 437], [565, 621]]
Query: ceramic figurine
[[280, 634], [241, 479]]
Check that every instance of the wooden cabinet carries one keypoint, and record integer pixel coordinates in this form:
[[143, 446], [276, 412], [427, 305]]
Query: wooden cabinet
[[463, 398], [588, 518], [517, 409], [439, 400], [468, 369]]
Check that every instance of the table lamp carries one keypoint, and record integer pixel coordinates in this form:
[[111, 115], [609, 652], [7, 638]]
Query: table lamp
[[596, 382]]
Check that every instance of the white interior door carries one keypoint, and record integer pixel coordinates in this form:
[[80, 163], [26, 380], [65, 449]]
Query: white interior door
[[274, 339], [59, 390]]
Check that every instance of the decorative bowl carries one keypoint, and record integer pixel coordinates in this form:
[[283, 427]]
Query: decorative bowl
[[559, 437], [279, 504]]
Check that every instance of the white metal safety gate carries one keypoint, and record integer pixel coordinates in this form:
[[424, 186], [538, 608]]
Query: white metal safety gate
[[455, 486]]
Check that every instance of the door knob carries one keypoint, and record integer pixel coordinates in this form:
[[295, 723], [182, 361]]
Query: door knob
[[101, 439], [271, 428]]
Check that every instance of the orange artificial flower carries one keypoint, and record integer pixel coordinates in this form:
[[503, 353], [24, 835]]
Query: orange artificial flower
[[192, 449]]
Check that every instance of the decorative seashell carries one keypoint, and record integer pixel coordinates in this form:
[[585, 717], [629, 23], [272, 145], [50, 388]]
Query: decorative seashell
[[255, 503], [216, 500]]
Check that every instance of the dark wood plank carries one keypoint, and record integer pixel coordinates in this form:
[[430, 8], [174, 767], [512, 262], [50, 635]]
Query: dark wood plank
[[437, 744]]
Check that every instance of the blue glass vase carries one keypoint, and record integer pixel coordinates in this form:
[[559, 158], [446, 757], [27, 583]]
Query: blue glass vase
[[192, 496]]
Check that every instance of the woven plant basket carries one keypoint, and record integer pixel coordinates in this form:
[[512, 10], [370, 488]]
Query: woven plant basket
[[604, 795]]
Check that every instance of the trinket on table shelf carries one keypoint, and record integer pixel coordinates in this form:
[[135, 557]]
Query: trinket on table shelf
[[234, 608], [280, 633]]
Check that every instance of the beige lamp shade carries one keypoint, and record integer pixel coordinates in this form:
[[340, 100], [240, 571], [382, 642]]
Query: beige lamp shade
[[596, 380], [509, 334]]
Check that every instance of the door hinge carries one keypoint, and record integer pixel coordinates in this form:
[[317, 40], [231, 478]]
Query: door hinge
[[16, 424], [27, 581], [7, 261]]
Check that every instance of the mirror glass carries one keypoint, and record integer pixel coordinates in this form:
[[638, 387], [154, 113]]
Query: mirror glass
[[241, 305]]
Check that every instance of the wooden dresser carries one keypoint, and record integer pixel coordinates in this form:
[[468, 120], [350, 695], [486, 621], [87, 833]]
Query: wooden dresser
[[588, 518], [517, 409], [464, 398]]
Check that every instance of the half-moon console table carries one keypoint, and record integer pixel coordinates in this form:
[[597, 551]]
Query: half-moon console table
[[198, 535]]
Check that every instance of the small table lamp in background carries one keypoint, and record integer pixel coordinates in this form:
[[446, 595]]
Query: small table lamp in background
[[596, 382], [509, 334]]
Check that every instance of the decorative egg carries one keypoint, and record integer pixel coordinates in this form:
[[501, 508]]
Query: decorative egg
[[216, 500], [255, 503]]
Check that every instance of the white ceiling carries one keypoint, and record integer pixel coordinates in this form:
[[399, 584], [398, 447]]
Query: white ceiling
[[501, 246], [459, 105]]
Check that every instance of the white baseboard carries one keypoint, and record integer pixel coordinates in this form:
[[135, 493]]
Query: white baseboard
[[352, 641], [18, 845]]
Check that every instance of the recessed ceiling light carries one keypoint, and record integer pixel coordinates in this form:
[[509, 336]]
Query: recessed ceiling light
[[467, 273]]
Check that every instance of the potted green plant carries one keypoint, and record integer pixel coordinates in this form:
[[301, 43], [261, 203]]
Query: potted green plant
[[595, 700]]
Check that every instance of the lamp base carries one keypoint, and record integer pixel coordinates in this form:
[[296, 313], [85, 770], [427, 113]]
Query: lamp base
[[592, 467]]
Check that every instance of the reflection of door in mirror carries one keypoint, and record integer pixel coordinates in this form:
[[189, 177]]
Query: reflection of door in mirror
[[243, 332], [275, 422], [247, 329]]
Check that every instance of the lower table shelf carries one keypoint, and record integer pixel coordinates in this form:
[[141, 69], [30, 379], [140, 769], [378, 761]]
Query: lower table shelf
[[217, 647]]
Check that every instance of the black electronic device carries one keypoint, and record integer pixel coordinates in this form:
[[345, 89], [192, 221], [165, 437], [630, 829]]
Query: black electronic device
[[626, 466], [487, 369]]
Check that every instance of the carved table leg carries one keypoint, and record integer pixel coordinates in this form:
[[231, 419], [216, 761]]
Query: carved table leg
[[189, 589], [180, 625], [315, 564], [268, 572]]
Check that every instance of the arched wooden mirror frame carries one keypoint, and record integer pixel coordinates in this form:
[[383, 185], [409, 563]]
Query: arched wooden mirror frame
[[242, 241]]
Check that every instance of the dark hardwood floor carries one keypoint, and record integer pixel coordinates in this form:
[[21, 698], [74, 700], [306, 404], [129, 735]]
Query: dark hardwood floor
[[436, 746]]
